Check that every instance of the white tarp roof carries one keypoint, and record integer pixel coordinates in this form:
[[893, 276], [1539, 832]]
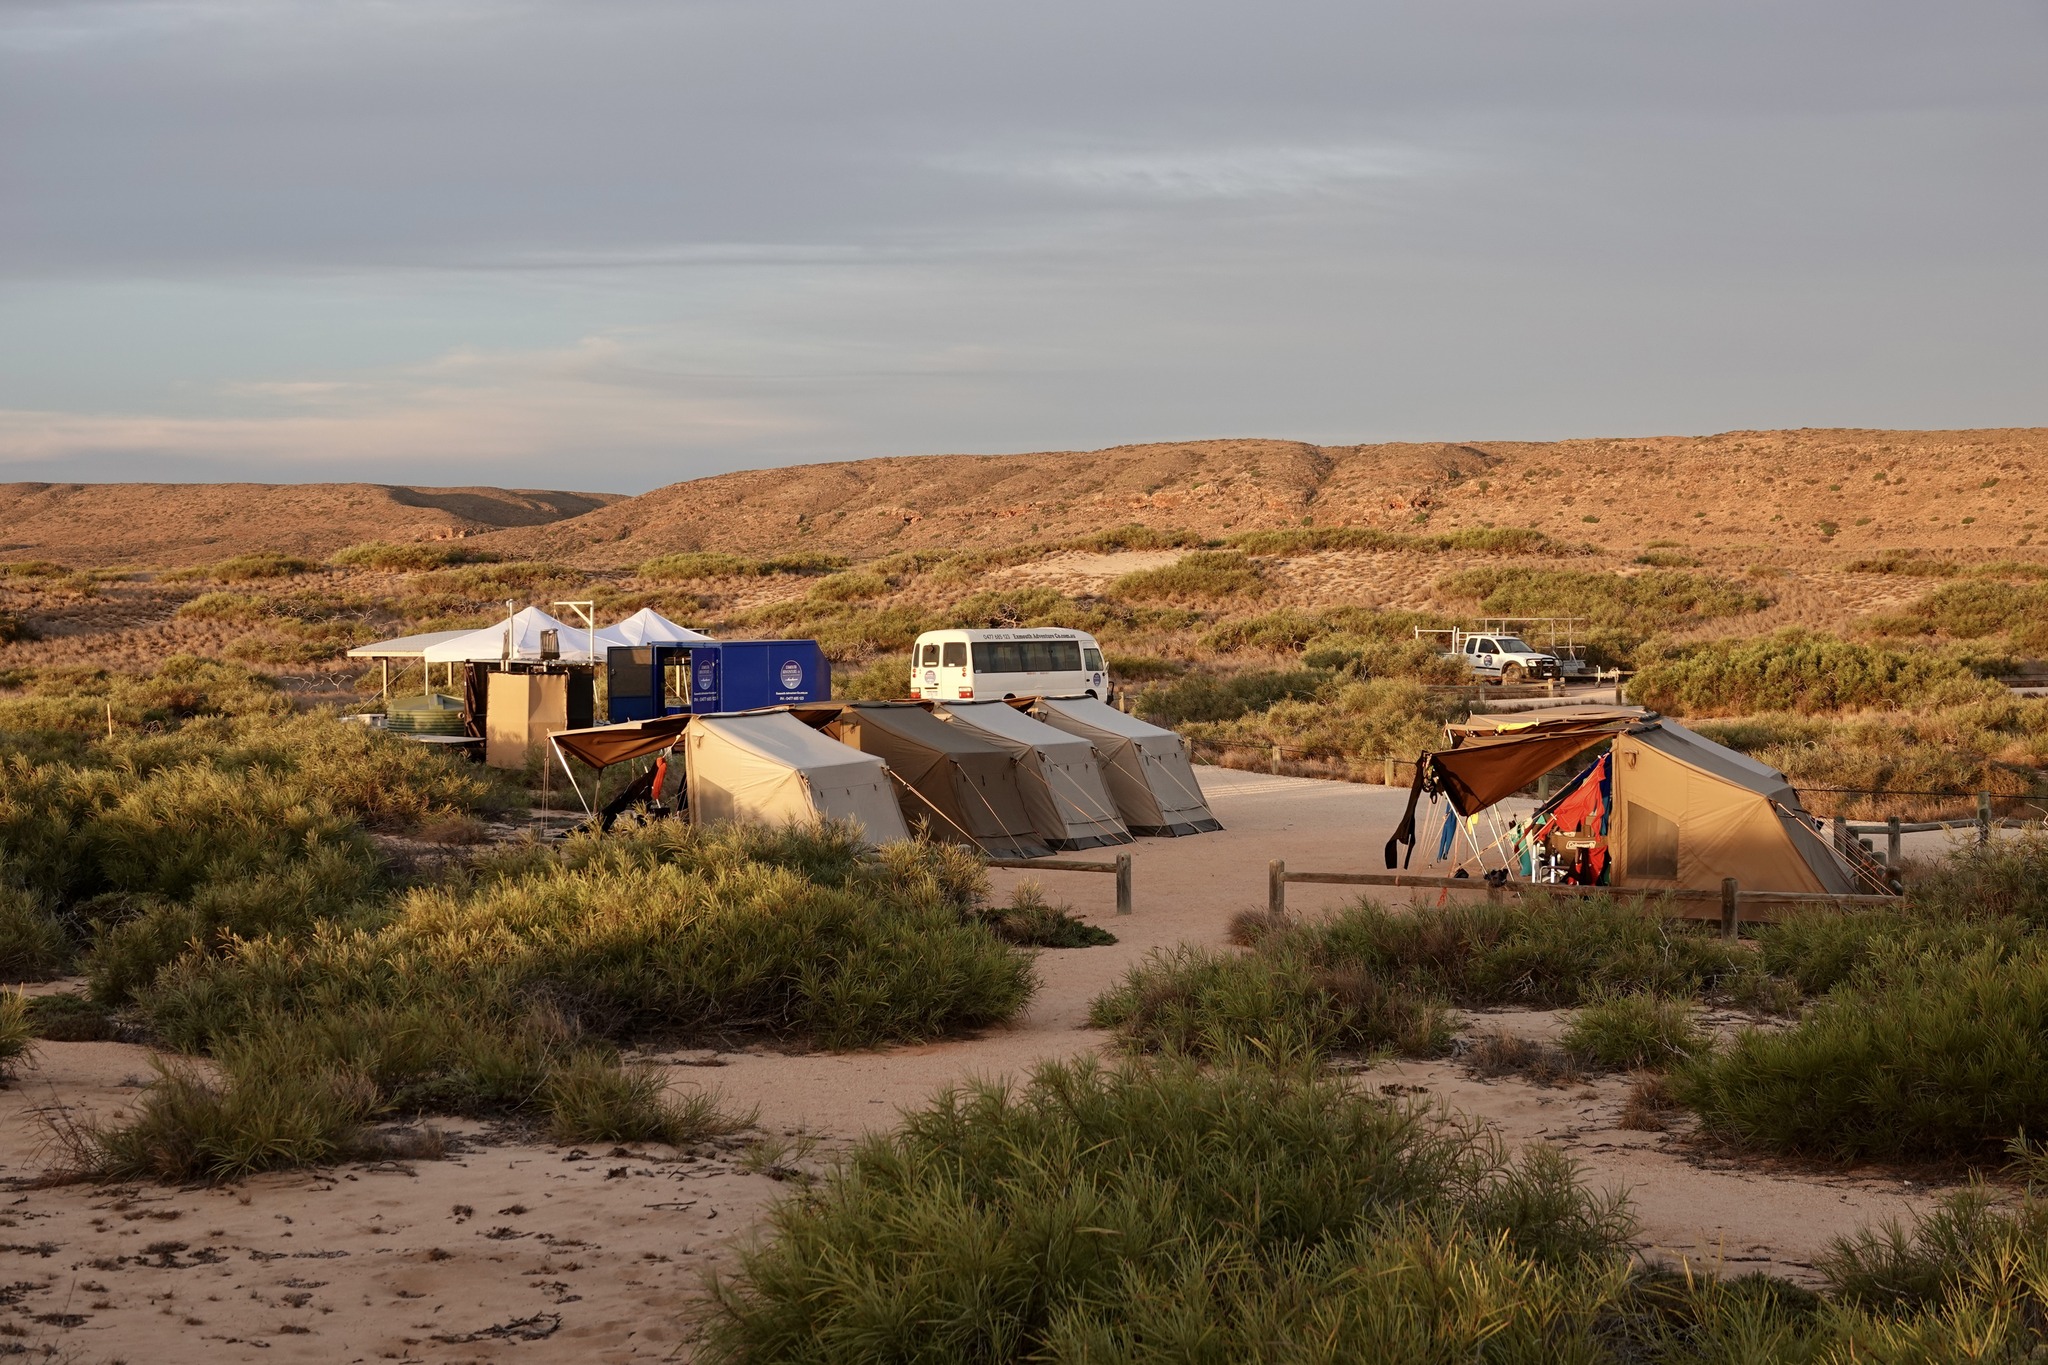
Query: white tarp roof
[[405, 646], [1057, 774], [774, 769], [1145, 767], [649, 627], [487, 645]]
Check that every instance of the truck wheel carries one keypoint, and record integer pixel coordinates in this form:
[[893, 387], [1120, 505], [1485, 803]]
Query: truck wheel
[[1511, 675]]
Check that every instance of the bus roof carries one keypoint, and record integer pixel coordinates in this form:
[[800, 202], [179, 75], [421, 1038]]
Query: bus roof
[[1021, 633]]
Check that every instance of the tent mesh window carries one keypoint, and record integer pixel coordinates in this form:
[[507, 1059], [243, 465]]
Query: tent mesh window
[[1652, 843]]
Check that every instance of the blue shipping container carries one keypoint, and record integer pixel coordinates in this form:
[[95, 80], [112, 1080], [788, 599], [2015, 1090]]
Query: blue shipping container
[[732, 675]]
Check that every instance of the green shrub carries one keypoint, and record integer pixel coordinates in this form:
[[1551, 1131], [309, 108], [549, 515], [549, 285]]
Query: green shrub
[[1135, 536], [16, 1033], [34, 944], [1667, 559], [1656, 599], [228, 606], [1504, 540], [33, 569], [1204, 574], [681, 930], [688, 567], [246, 568], [1172, 1214], [850, 587], [1904, 562], [1967, 610], [1797, 670], [1347, 720], [1627, 1032], [1923, 1057], [1032, 922], [1205, 697], [882, 680], [593, 1099], [413, 558], [1276, 1005]]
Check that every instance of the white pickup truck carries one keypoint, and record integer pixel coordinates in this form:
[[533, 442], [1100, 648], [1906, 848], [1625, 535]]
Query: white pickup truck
[[1502, 658]]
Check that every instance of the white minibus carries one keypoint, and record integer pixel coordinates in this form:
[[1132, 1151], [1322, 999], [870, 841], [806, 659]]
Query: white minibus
[[984, 665]]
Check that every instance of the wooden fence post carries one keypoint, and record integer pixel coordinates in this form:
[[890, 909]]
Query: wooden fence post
[[1840, 831], [1983, 817], [1891, 843], [1276, 758], [1276, 888], [1123, 883], [1731, 908], [1388, 761]]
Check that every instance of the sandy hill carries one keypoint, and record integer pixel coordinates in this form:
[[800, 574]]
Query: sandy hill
[[172, 525], [1838, 490]]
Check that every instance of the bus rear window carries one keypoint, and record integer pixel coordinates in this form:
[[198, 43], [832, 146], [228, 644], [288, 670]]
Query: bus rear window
[[1027, 656], [956, 655]]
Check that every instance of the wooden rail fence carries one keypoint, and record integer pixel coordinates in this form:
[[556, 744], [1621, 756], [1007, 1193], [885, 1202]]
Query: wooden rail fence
[[1731, 904], [1120, 869]]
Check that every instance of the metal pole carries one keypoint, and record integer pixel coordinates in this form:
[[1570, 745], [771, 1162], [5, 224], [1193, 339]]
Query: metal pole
[[1276, 888], [1123, 883], [1731, 908], [1891, 842], [1983, 818]]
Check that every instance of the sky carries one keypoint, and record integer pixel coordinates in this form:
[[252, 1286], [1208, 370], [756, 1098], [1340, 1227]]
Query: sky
[[611, 244]]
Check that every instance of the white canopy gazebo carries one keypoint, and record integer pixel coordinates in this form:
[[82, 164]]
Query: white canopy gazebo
[[649, 627], [519, 640]]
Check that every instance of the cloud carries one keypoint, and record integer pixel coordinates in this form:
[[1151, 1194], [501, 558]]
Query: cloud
[[1196, 173], [467, 407]]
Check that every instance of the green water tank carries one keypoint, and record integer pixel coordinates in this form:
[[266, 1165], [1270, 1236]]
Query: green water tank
[[433, 714]]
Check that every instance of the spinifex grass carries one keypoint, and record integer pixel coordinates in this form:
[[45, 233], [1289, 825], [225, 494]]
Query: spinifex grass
[[16, 1030], [1625, 1032], [1179, 1214], [1369, 977], [1914, 1057]]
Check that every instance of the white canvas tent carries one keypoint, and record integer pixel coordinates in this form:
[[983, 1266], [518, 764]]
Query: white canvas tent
[[771, 768], [1057, 773], [1145, 767], [649, 627], [488, 645]]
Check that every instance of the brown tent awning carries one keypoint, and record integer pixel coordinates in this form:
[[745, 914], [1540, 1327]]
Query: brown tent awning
[[604, 745], [1476, 776]]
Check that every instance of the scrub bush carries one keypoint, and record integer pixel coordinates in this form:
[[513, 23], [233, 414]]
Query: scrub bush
[[1166, 1213], [1797, 670], [1635, 604], [389, 558], [1630, 1032], [16, 1032], [1207, 574], [247, 568], [1920, 1057], [1205, 697], [34, 944], [1368, 977], [688, 567]]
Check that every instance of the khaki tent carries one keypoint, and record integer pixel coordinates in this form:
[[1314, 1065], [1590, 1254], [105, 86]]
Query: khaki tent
[[1688, 812], [771, 768], [952, 783], [1146, 767], [1056, 773], [1682, 813]]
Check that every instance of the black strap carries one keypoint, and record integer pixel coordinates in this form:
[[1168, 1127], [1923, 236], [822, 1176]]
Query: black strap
[[1404, 833]]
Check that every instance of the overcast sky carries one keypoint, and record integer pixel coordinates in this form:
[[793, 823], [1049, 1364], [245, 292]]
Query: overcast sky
[[608, 244]]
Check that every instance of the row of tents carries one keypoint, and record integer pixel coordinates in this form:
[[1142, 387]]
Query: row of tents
[[1017, 779]]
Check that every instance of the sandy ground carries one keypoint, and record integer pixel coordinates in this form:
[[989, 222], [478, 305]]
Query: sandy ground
[[514, 1249]]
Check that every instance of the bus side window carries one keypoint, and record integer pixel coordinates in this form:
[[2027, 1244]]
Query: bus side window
[[956, 654], [931, 657]]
